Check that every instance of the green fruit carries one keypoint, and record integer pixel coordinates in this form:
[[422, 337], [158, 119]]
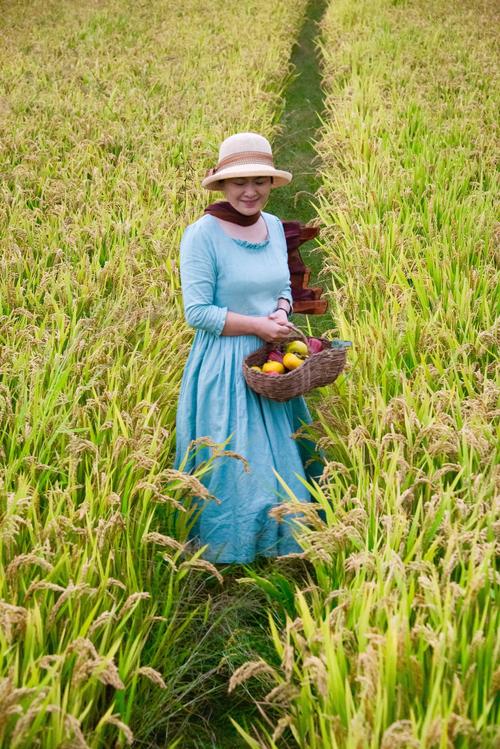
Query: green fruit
[[297, 347]]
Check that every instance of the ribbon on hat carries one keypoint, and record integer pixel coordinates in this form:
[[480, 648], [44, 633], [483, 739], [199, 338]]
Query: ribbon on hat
[[242, 158]]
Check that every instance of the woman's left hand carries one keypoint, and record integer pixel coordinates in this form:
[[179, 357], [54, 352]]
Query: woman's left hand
[[279, 315]]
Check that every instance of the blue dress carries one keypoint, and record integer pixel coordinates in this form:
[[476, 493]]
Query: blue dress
[[219, 273]]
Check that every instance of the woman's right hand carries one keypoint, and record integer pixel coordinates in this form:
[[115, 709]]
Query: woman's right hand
[[271, 330]]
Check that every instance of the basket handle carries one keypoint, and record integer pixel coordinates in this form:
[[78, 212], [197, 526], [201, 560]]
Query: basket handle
[[297, 331]]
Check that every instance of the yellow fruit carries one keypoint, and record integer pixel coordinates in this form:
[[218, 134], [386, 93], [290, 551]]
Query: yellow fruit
[[291, 361], [273, 366], [256, 367], [297, 347]]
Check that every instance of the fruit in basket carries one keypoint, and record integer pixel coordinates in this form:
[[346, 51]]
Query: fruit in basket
[[273, 374], [315, 345], [273, 366], [292, 361], [258, 369], [297, 347], [275, 355]]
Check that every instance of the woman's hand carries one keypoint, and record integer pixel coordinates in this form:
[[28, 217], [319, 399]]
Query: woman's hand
[[274, 327], [279, 315]]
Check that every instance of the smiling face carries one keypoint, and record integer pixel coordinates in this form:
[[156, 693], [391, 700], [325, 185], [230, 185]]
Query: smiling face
[[247, 194]]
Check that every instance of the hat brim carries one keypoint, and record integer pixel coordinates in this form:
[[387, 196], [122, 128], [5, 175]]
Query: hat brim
[[280, 178]]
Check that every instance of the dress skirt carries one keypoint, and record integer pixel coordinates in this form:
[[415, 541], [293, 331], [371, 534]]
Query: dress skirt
[[215, 401]]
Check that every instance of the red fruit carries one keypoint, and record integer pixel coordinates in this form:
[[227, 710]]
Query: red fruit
[[315, 345], [273, 374], [275, 355]]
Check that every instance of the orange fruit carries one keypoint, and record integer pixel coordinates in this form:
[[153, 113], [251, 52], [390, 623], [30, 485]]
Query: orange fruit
[[291, 361], [273, 366]]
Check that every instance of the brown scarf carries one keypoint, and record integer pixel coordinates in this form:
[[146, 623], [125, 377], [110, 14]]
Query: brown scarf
[[305, 300]]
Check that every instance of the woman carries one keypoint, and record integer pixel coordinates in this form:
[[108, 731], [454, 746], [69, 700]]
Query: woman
[[236, 294]]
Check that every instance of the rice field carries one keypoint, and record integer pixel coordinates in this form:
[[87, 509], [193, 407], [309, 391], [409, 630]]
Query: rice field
[[395, 642], [110, 111]]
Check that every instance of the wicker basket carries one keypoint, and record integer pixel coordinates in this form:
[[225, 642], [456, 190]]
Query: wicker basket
[[318, 369]]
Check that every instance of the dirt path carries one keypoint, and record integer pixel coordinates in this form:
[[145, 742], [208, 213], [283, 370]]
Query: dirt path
[[239, 635], [294, 147]]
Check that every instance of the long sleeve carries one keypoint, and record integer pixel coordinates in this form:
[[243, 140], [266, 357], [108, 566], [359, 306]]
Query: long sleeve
[[198, 280]]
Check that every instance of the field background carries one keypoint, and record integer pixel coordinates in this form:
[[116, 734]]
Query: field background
[[385, 633], [111, 112]]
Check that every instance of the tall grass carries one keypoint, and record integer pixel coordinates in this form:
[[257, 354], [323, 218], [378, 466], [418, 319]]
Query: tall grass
[[111, 111], [394, 643]]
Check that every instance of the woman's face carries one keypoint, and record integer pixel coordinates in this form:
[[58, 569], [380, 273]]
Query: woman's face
[[247, 194]]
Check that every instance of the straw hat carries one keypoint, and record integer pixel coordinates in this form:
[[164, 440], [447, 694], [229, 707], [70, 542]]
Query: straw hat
[[245, 155]]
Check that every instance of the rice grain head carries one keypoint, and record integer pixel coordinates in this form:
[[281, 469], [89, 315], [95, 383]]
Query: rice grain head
[[247, 670]]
